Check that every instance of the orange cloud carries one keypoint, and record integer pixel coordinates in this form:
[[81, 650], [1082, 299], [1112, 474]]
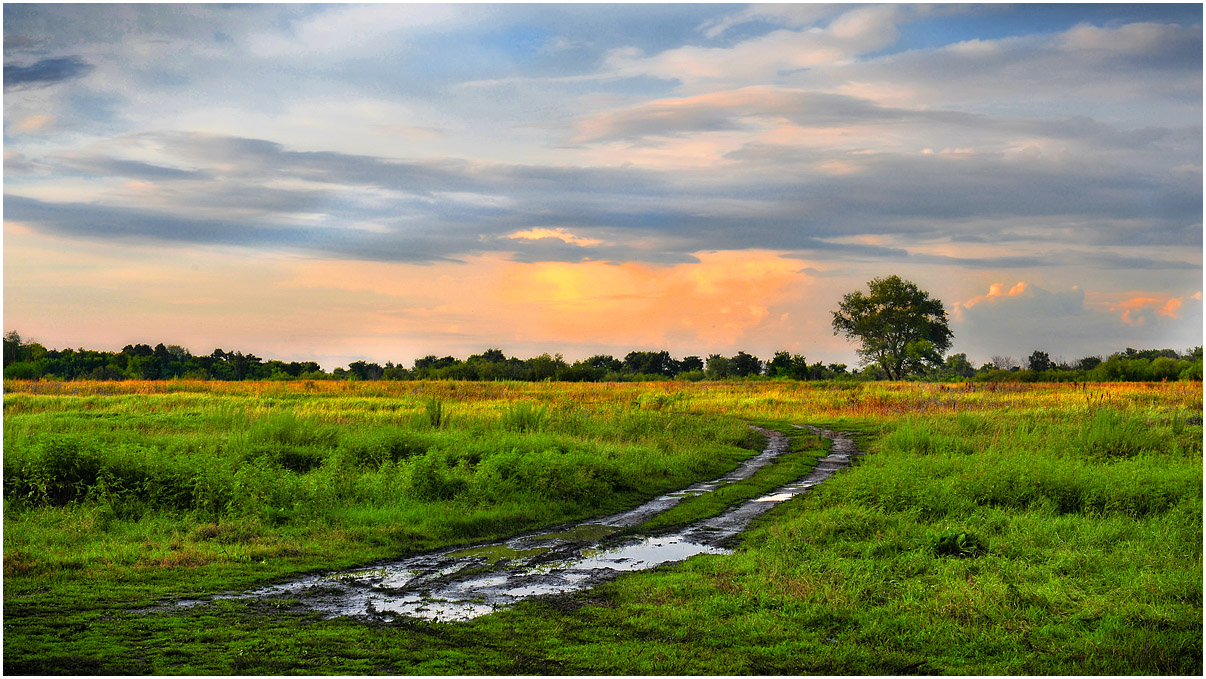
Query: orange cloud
[[713, 302], [16, 229], [32, 123], [493, 301], [561, 234], [1136, 307], [1170, 308], [994, 290]]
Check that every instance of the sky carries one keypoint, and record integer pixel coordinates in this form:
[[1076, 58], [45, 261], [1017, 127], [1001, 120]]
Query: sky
[[383, 182]]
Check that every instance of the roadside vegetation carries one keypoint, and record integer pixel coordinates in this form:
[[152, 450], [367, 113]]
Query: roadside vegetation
[[994, 528]]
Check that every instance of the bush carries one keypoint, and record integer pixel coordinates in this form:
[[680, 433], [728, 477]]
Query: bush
[[431, 479], [376, 447], [57, 470]]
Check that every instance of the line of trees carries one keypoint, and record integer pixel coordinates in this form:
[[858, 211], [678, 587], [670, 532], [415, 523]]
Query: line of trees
[[1131, 365], [31, 360]]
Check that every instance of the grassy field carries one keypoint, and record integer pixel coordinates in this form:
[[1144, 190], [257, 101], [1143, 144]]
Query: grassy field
[[994, 529]]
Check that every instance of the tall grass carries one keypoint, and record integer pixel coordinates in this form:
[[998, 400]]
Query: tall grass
[[1053, 539], [524, 416], [993, 529], [386, 469], [436, 416]]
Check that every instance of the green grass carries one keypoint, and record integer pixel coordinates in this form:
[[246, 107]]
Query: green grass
[[805, 450], [113, 498], [1081, 517]]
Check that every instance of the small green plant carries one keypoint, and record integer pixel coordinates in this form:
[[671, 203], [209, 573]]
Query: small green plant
[[951, 542], [436, 415], [660, 401], [1178, 424]]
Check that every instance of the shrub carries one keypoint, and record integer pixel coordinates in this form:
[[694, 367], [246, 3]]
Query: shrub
[[58, 470], [376, 447], [431, 479]]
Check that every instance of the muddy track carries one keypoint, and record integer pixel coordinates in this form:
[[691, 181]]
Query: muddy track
[[463, 583]]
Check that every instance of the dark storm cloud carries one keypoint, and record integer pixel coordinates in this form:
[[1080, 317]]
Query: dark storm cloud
[[45, 72]]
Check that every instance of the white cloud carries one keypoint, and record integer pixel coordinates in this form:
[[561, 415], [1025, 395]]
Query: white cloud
[[350, 29], [1019, 318], [1046, 75], [762, 59], [794, 15], [1130, 39], [873, 25]]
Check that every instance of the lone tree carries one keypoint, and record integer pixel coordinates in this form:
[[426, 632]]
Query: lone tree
[[901, 328], [1040, 361]]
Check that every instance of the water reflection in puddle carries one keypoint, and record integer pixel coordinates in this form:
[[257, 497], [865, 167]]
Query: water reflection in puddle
[[465, 583]]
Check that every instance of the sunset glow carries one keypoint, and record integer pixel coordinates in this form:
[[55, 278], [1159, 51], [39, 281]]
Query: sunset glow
[[383, 182]]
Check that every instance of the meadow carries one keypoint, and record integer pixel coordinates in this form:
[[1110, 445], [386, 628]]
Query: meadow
[[999, 528]]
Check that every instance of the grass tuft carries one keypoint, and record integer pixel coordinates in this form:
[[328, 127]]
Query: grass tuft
[[1111, 434], [953, 542], [524, 416]]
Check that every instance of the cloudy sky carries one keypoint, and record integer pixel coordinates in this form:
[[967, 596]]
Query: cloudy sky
[[382, 182]]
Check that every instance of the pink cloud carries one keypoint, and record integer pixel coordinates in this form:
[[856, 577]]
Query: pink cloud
[[1137, 308], [994, 290]]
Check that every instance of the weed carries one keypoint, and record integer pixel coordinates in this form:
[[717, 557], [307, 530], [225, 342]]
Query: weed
[[436, 415], [523, 416], [951, 542], [1113, 434]]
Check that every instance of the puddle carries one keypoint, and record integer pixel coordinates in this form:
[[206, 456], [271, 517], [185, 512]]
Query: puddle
[[465, 583], [492, 554]]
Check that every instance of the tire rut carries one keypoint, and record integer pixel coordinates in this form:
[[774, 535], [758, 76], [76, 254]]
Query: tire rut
[[464, 583]]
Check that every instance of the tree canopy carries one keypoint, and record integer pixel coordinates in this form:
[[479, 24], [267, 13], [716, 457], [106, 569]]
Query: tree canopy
[[901, 328]]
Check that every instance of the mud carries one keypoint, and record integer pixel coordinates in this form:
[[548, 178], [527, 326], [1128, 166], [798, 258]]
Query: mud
[[463, 583]]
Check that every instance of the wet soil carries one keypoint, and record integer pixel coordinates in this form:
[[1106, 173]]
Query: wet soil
[[460, 584]]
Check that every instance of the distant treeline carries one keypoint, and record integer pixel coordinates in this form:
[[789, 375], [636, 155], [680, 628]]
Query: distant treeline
[[31, 360]]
